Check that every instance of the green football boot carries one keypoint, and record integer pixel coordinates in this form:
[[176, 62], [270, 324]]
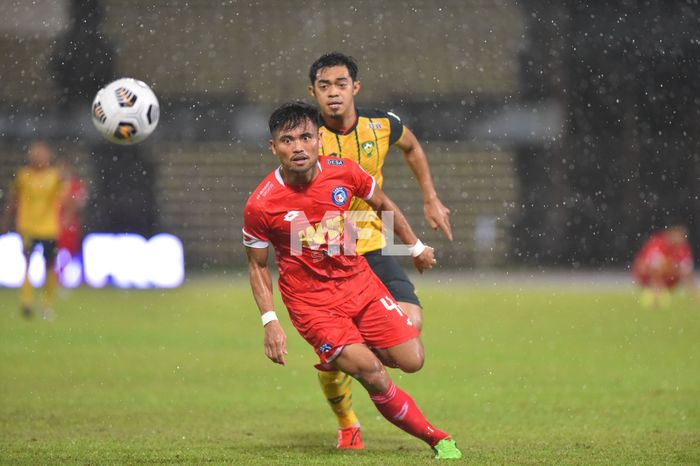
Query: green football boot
[[447, 449]]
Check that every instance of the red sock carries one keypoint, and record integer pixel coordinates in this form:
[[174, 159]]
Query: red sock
[[400, 409]]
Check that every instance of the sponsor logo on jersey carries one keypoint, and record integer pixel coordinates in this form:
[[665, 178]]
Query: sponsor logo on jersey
[[368, 148], [291, 215], [336, 162], [266, 189], [339, 196], [324, 348]]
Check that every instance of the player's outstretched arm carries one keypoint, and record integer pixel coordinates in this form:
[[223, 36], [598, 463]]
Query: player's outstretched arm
[[437, 215], [424, 257], [261, 285]]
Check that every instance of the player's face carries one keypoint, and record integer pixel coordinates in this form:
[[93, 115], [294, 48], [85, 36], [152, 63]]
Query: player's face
[[677, 234], [334, 90], [297, 148], [39, 155]]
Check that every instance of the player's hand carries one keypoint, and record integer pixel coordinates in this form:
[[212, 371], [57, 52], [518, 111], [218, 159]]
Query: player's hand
[[438, 216], [425, 260], [275, 342]]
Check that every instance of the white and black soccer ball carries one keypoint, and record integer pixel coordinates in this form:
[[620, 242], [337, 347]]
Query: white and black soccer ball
[[125, 111]]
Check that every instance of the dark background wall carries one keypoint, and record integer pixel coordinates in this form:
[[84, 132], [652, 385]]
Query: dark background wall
[[627, 158], [558, 132]]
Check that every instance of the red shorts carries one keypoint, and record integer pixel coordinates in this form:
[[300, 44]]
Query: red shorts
[[669, 281], [70, 240], [370, 316], [656, 269]]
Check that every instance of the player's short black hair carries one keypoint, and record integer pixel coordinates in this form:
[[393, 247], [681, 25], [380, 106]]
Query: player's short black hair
[[292, 114], [333, 59]]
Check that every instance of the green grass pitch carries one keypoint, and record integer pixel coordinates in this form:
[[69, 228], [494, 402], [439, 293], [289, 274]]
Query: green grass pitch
[[545, 374]]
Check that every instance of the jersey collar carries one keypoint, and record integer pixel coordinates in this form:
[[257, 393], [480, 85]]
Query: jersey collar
[[345, 131], [278, 172]]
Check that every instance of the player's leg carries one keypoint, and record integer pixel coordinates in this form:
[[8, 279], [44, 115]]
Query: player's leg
[[392, 402], [337, 387], [414, 311], [409, 356], [26, 294], [51, 282], [388, 329], [326, 331], [397, 282]]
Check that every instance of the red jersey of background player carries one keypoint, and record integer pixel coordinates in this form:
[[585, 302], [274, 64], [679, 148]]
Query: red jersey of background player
[[672, 260], [311, 216], [70, 236]]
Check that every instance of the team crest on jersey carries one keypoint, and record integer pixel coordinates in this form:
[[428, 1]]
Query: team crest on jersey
[[336, 162], [324, 348], [368, 148], [340, 196]]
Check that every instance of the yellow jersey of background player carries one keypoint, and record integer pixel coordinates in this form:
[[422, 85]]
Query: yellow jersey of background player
[[39, 194], [367, 142]]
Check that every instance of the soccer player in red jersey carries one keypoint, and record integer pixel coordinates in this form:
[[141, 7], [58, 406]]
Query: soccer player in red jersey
[[334, 300], [664, 262], [70, 236]]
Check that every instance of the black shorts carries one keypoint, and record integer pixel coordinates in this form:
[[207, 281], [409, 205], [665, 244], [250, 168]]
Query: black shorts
[[48, 245], [392, 275]]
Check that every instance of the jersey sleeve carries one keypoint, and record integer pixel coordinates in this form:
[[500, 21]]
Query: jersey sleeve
[[255, 231], [396, 128], [363, 182]]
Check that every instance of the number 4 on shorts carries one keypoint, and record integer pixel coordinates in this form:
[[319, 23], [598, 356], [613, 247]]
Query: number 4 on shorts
[[391, 305]]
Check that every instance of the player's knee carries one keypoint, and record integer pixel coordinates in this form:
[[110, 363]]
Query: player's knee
[[374, 376], [412, 365], [412, 361]]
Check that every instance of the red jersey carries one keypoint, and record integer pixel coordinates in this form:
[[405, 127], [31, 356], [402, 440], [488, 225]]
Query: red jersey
[[306, 225], [70, 236], [659, 253]]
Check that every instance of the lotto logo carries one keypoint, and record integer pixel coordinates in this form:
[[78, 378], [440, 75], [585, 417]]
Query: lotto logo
[[291, 215]]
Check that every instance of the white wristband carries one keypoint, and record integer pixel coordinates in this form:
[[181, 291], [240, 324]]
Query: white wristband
[[417, 249], [268, 317]]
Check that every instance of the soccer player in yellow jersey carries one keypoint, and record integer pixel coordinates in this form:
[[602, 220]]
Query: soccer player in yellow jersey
[[366, 136], [34, 201]]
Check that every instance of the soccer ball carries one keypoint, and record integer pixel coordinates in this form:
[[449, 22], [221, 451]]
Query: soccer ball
[[125, 111]]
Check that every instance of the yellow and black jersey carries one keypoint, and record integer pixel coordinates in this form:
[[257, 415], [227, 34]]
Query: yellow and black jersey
[[38, 200], [367, 142]]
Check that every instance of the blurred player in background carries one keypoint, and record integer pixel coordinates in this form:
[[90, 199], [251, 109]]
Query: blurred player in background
[[365, 136], [35, 197], [70, 237], [664, 262], [334, 299]]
